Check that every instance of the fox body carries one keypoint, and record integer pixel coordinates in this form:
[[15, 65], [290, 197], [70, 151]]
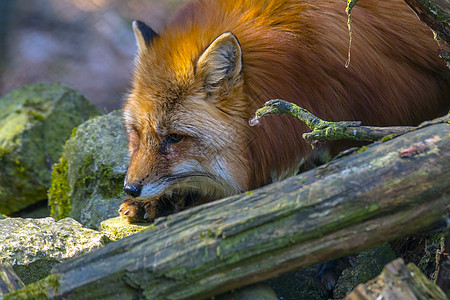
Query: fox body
[[199, 81]]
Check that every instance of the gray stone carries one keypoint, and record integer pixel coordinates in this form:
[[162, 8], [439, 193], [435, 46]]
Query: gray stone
[[35, 121], [33, 246], [88, 181]]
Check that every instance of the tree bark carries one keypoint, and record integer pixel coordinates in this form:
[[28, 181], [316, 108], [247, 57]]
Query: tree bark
[[350, 204]]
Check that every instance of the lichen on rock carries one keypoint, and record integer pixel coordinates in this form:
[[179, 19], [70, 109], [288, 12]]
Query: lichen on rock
[[35, 121], [91, 172], [118, 228], [33, 246]]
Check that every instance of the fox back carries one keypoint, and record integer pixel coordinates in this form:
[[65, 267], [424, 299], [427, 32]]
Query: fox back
[[199, 81]]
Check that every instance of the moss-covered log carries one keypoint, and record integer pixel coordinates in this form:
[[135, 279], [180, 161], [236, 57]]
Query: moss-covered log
[[350, 204], [436, 14]]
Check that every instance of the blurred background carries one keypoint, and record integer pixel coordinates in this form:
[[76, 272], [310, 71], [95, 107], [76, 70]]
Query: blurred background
[[86, 44]]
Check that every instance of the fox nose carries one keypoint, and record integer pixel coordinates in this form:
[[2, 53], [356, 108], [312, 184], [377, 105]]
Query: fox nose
[[132, 189]]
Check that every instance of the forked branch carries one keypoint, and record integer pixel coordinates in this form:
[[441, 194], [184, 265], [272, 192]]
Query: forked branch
[[325, 130]]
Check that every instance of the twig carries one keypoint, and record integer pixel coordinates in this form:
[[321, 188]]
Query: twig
[[324, 130], [348, 10]]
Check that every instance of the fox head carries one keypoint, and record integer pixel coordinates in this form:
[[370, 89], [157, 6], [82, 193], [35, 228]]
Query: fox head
[[186, 117]]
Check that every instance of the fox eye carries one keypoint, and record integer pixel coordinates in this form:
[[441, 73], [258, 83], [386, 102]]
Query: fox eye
[[174, 138]]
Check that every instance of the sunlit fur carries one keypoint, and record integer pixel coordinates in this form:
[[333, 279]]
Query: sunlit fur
[[293, 50]]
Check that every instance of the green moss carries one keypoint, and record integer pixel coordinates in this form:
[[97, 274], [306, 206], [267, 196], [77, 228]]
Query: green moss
[[10, 126], [20, 170], [118, 228], [110, 184], [88, 160], [149, 227], [178, 272], [36, 115], [35, 122], [350, 5], [393, 182], [97, 156], [4, 151], [74, 132], [387, 138], [113, 185], [58, 194], [373, 207], [348, 10], [38, 290], [20, 167], [362, 149]]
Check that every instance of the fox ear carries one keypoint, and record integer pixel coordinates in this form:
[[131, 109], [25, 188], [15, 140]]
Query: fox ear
[[144, 34], [221, 63]]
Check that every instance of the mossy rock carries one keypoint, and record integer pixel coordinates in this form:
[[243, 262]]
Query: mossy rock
[[35, 121], [33, 246], [118, 228], [87, 182]]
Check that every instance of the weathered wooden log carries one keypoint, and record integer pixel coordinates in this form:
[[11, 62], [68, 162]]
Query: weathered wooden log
[[348, 205], [436, 14], [400, 282]]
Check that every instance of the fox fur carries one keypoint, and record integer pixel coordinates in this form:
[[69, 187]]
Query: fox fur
[[197, 83]]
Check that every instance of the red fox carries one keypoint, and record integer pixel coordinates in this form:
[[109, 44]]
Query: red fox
[[199, 81]]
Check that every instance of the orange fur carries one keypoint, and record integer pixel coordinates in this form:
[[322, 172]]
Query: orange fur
[[293, 50]]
